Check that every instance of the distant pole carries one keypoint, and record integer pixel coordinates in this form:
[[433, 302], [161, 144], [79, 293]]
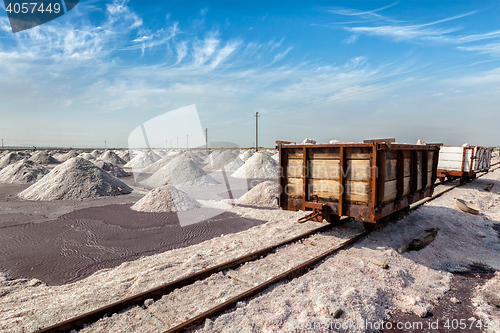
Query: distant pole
[[177, 142], [187, 141], [256, 131], [206, 138], [166, 144], [171, 146], [2, 143], [104, 144]]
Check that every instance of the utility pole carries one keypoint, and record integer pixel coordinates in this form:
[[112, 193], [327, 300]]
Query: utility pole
[[2, 143], [256, 131], [206, 138], [187, 141], [104, 144]]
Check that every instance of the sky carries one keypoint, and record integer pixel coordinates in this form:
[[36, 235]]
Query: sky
[[326, 70]]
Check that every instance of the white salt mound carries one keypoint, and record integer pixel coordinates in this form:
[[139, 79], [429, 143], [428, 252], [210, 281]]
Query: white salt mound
[[157, 165], [260, 166], [111, 157], [421, 142], [246, 155], [308, 142], [76, 178], [9, 158], [43, 157], [96, 153], [213, 155], [115, 170], [22, 172], [142, 160], [181, 171], [124, 155], [228, 160], [87, 156], [262, 195], [67, 156], [166, 199]]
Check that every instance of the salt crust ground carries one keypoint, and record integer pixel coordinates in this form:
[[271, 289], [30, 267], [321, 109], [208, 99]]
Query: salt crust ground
[[487, 302], [349, 280]]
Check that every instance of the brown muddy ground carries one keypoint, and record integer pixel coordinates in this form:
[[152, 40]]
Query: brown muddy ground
[[64, 241], [447, 316]]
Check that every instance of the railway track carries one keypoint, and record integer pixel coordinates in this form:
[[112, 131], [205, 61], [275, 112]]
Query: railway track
[[158, 292]]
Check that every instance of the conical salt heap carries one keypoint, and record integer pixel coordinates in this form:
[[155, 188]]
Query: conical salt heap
[[76, 178], [262, 195], [22, 172], [9, 158], [227, 160], [67, 156], [111, 157], [142, 160], [166, 199], [43, 157], [181, 171], [259, 166]]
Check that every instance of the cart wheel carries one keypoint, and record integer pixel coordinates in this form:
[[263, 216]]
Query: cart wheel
[[369, 226], [332, 218]]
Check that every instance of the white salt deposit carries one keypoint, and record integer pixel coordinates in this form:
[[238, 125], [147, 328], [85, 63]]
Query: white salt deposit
[[166, 199], [260, 166], [213, 155], [9, 158], [112, 158], [87, 156], [262, 195], [43, 157], [142, 160], [228, 160], [96, 153], [67, 156], [246, 155], [421, 142], [22, 172], [115, 170], [157, 165], [486, 300], [124, 155], [181, 171], [76, 178], [308, 142]]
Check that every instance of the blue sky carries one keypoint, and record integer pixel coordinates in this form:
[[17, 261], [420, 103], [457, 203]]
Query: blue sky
[[324, 70]]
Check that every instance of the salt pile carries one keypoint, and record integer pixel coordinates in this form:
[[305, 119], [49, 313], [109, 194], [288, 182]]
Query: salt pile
[[9, 158], [213, 155], [124, 155], [260, 166], [43, 157], [96, 153], [262, 195], [308, 142], [421, 142], [228, 160], [76, 178], [67, 156], [166, 199], [246, 155], [87, 156], [112, 158], [194, 157], [111, 168], [142, 160], [181, 171], [22, 172], [157, 165]]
